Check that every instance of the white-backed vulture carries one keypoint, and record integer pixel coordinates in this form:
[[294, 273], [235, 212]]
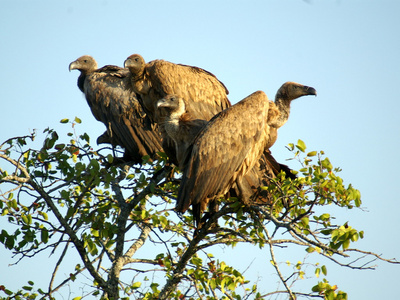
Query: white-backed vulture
[[179, 125], [183, 129], [205, 94], [112, 102], [286, 93], [229, 152], [220, 153]]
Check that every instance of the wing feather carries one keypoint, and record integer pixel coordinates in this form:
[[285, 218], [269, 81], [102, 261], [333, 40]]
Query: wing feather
[[113, 103], [228, 147], [205, 94]]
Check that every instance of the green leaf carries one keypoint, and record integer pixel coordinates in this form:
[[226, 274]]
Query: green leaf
[[44, 235], [354, 237], [64, 121], [324, 270], [330, 295], [59, 146], [110, 159], [312, 153], [305, 221], [154, 286], [85, 137], [44, 215], [325, 217], [223, 284], [25, 219], [213, 284], [310, 249], [136, 285], [301, 145], [326, 231], [95, 164], [77, 120], [317, 271], [346, 244], [326, 164], [232, 286]]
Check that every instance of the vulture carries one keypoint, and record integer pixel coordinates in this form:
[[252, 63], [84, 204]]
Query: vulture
[[284, 96], [179, 125], [205, 94], [228, 153], [112, 102]]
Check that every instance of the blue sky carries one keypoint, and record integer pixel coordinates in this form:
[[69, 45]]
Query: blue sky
[[348, 50]]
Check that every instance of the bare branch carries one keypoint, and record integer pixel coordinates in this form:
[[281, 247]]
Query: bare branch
[[392, 260], [145, 231], [78, 244], [275, 263]]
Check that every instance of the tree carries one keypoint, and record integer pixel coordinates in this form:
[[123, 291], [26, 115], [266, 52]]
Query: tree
[[66, 196]]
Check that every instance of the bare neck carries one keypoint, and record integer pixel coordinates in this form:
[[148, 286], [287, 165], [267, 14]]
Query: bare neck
[[284, 111], [171, 123]]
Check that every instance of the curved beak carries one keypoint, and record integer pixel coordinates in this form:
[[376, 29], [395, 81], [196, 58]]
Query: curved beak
[[161, 103], [127, 63], [310, 90], [73, 66]]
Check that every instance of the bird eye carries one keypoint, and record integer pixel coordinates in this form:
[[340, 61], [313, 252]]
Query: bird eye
[[85, 60], [136, 59]]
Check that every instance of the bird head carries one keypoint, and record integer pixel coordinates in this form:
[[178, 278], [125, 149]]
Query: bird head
[[171, 105], [292, 90], [85, 63], [135, 63]]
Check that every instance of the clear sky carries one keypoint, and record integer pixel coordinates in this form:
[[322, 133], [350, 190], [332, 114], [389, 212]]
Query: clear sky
[[348, 50]]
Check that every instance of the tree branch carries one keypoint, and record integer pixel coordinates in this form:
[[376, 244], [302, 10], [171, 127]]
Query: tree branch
[[71, 233]]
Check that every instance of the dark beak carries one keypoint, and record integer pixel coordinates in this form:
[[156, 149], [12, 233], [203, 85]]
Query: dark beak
[[311, 91]]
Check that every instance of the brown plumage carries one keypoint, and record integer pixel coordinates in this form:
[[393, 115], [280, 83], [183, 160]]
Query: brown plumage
[[230, 152], [204, 93], [112, 102], [288, 92], [249, 187], [217, 155], [179, 125]]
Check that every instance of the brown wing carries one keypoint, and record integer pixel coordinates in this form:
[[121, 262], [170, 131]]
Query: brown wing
[[228, 147], [115, 105], [205, 95], [248, 188], [188, 132]]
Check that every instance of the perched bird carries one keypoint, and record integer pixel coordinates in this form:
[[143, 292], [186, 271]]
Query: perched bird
[[223, 149], [112, 102], [288, 92], [179, 125], [230, 152], [205, 94]]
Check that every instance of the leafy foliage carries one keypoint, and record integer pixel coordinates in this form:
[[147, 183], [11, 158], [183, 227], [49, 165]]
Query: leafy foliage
[[66, 196]]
